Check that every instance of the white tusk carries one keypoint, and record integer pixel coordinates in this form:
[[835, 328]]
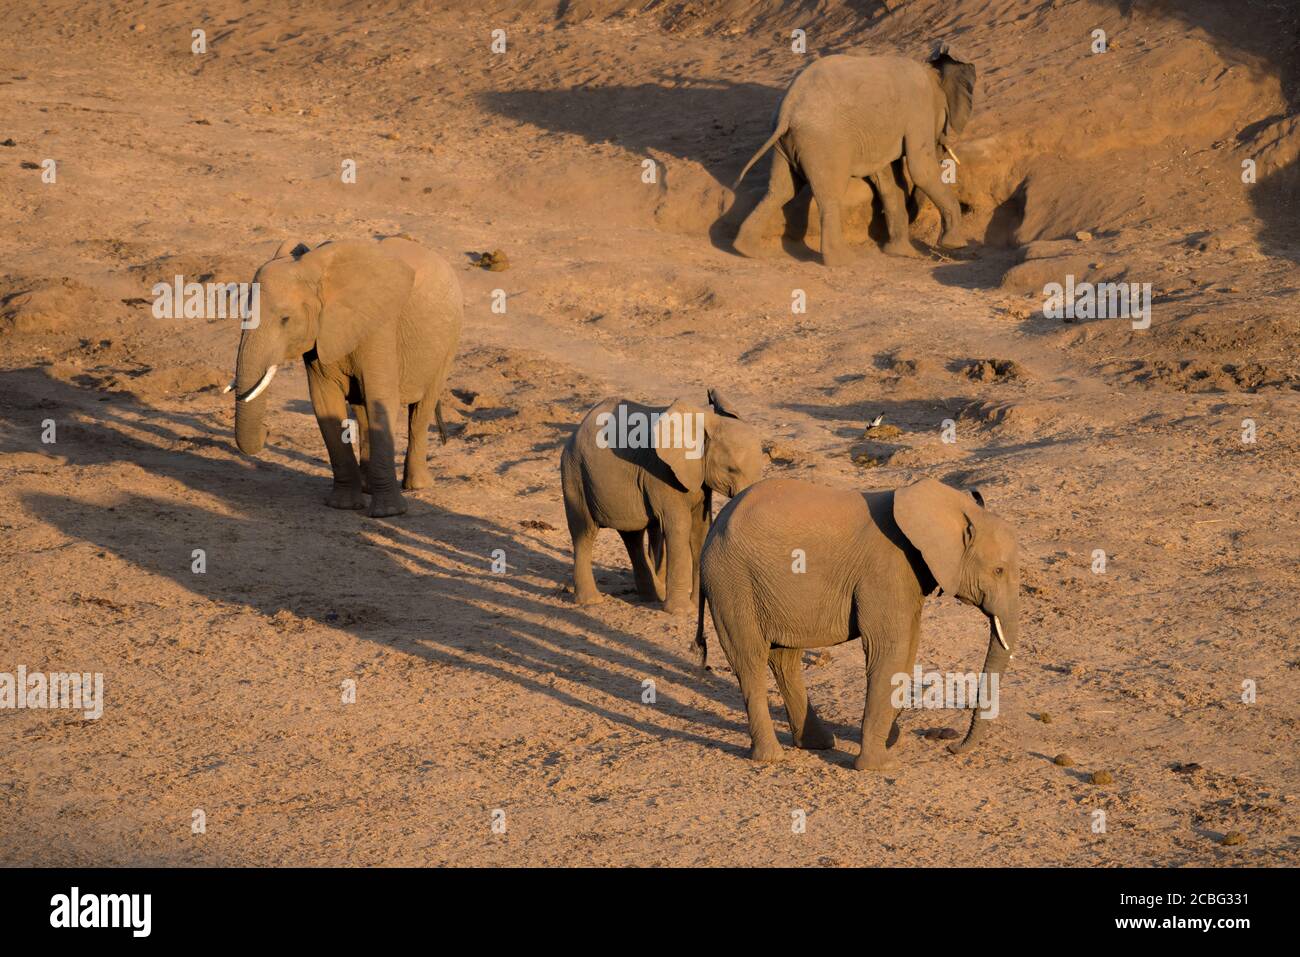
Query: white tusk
[[229, 387], [997, 627], [948, 149], [257, 389]]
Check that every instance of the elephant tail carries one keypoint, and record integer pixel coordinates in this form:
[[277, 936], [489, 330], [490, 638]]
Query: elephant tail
[[442, 426], [701, 648], [781, 126]]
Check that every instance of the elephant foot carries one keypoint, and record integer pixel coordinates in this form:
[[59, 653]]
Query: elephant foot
[[815, 737], [902, 248], [346, 497], [835, 258], [678, 607], [584, 599], [383, 506], [752, 248], [769, 752], [952, 240], [418, 480], [875, 760]]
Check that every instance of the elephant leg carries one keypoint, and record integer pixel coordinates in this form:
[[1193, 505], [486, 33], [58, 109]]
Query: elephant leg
[[645, 576], [752, 239], [658, 556], [895, 739], [828, 185], [699, 529], [362, 443], [677, 543], [583, 532], [894, 201], [923, 165], [886, 657], [746, 652], [805, 726], [385, 496], [417, 474], [330, 405]]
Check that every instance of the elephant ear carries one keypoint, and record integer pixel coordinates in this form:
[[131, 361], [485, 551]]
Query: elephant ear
[[937, 519], [957, 80], [361, 289], [720, 405], [679, 439], [291, 247]]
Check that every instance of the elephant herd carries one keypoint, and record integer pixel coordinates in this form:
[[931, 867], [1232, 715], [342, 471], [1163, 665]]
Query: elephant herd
[[786, 565]]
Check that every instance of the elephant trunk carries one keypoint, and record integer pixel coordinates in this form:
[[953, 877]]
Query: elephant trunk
[[252, 374], [1003, 635]]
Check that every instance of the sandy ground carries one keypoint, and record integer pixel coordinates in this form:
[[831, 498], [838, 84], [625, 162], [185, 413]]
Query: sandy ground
[[479, 692]]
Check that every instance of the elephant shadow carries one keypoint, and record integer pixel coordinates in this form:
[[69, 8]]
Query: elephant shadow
[[715, 124], [421, 584]]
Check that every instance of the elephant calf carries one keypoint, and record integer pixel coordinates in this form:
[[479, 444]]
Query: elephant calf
[[376, 325], [790, 565], [853, 116], [635, 468]]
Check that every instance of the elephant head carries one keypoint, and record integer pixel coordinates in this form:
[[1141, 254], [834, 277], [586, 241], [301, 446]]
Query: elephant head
[[956, 79], [324, 300], [727, 457], [971, 554]]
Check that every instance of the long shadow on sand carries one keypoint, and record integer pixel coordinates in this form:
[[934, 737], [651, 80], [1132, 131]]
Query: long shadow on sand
[[423, 588]]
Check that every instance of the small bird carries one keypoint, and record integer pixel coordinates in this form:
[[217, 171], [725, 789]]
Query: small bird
[[876, 421]]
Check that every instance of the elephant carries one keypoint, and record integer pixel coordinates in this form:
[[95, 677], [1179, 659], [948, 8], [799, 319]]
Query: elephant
[[854, 116], [638, 469], [790, 565], [376, 325]]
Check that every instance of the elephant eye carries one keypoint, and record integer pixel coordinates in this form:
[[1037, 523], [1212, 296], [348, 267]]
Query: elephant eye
[[999, 570], [284, 320]]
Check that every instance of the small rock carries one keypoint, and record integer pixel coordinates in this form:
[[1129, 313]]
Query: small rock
[[1101, 777], [780, 454], [882, 432], [1045, 717], [1233, 838], [1063, 760], [138, 27], [1189, 768], [1083, 236]]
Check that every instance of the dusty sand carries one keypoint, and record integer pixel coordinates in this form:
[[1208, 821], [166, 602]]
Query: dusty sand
[[477, 692]]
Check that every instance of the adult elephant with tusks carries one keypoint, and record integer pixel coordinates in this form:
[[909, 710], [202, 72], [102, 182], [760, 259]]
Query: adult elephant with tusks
[[862, 566], [376, 325]]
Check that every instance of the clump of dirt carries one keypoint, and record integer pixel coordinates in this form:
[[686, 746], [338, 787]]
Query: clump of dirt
[[53, 305], [995, 370]]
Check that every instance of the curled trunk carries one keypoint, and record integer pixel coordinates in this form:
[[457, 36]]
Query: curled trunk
[[995, 663], [250, 416]]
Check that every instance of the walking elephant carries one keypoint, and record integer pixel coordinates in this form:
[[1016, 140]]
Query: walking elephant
[[789, 565], [641, 469], [376, 325], [851, 116]]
